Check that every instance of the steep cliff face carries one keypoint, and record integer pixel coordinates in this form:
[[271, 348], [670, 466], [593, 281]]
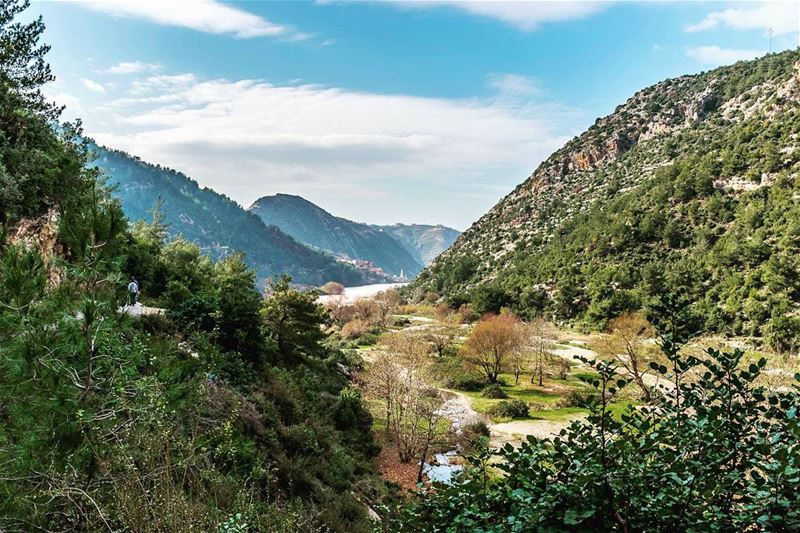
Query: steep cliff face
[[654, 128]]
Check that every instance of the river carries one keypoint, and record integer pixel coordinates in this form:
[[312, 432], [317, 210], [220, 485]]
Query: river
[[356, 293]]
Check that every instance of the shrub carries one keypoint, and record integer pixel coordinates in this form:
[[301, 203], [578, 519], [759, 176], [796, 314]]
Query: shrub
[[577, 398], [666, 465], [515, 408], [477, 429], [453, 374], [333, 288], [493, 391], [355, 328], [368, 339]]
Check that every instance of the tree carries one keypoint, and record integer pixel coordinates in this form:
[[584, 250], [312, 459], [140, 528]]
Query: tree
[[626, 344], [539, 339], [398, 377], [239, 309], [491, 342], [22, 56], [441, 336], [293, 320], [386, 303]]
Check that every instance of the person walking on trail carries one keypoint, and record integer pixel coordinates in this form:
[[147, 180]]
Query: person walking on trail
[[133, 289]]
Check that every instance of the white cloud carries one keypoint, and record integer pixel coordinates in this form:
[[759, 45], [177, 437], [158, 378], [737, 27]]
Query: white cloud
[[714, 55], [525, 15], [781, 17], [208, 16], [93, 85], [132, 67], [247, 138], [514, 84]]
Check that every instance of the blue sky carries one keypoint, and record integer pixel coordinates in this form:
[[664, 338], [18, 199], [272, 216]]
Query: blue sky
[[386, 111]]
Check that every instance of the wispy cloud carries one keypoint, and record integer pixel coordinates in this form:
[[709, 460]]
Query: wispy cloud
[[781, 17], [513, 85], [248, 137], [93, 85], [714, 55], [208, 16], [132, 67], [525, 15]]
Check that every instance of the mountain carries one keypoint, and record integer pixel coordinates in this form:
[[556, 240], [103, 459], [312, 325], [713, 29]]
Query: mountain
[[690, 187], [217, 223], [312, 225], [423, 242]]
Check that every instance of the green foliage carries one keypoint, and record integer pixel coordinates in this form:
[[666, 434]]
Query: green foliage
[[494, 391], [707, 210], [514, 408], [186, 421], [713, 453], [293, 320]]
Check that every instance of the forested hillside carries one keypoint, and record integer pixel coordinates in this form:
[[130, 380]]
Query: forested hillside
[[312, 225], [225, 412], [690, 185], [216, 223]]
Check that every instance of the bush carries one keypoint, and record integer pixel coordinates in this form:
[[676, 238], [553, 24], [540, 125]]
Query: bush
[[493, 391], [368, 339], [477, 429], [355, 329], [667, 466], [332, 288], [453, 374], [515, 408], [577, 398]]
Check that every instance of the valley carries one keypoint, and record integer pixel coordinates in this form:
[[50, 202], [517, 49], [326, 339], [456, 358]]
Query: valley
[[564, 396], [612, 346]]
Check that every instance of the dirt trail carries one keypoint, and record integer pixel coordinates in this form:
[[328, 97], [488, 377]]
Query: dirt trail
[[141, 310], [458, 409]]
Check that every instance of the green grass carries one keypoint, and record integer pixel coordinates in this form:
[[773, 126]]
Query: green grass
[[557, 415]]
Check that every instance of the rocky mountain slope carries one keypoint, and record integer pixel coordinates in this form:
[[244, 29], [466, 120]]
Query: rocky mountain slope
[[394, 249], [675, 177], [218, 224], [424, 242]]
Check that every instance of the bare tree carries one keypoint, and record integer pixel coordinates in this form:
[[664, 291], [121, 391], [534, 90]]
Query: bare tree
[[626, 344], [539, 339], [386, 303], [518, 361], [398, 377], [382, 382], [492, 341], [441, 336]]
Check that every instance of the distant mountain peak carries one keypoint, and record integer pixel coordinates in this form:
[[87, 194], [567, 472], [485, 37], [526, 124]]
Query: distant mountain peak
[[400, 249], [218, 224]]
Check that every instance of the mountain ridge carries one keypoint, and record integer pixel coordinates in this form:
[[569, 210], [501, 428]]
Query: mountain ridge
[[661, 161], [397, 249], [216, 223]]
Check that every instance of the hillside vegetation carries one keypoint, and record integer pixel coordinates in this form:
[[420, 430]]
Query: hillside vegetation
[[312, 225], [215, 222], [227, 412], [690, 186]]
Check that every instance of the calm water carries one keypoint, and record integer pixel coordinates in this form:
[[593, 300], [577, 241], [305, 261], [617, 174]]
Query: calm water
[[362, 291]]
